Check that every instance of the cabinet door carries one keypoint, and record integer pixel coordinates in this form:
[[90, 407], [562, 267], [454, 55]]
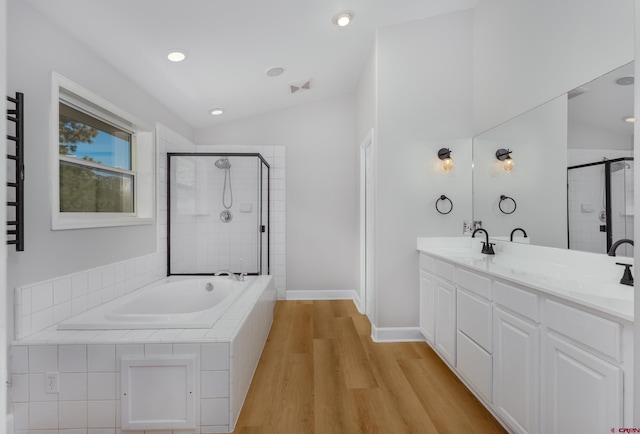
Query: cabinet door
[[446, 320], [582, 393], [516, 376], [427, 306]]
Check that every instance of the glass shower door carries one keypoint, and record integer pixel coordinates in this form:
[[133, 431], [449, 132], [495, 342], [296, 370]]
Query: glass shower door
[[621, 181], [600, 205], [218, 213]]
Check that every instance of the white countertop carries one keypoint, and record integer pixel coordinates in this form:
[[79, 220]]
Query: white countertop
[[589, 279]]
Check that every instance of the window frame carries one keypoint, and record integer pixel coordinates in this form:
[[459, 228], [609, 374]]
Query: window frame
[[142, 159]]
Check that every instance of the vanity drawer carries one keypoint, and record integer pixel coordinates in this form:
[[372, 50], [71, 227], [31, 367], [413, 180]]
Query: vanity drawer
[[427, 263], [593, 331], [475, 365], [517, 300], [475, 283], [475, 319], [444, 270]]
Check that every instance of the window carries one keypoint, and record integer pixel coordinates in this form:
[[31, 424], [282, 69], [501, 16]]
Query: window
[[103, 165]]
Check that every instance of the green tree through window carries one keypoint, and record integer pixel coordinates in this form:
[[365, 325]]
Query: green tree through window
[[89, 177]]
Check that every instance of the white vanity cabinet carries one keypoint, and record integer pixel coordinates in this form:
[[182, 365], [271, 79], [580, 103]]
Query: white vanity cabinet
[[516, 357], [438, 306], [446, 320], [540, 363], [474, 331], [427, 299], [582, 379]]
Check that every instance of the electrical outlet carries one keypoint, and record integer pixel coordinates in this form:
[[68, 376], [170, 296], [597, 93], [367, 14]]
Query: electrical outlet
[[51, 382]]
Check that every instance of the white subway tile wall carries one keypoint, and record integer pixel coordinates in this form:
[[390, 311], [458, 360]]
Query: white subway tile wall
[[44, 304]]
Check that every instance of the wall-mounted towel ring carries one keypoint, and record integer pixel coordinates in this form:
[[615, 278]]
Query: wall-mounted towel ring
[[507, 198], [443, 198]]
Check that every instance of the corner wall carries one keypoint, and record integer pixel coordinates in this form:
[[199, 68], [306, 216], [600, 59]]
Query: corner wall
[[321, 187], [424, 78]]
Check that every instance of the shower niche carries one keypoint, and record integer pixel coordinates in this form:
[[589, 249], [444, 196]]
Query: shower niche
[[217, 213]]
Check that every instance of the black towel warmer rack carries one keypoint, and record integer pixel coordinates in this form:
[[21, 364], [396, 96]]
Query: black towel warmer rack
[[15, 227]]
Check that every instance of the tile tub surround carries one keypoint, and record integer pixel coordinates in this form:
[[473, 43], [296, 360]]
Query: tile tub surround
[[43, 304], [88, 367]]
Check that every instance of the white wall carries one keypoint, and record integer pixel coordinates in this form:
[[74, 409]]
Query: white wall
[[423, 103], [636, 223], [321, 184], [35, 48], [366, 98], [3, 250], [528, 52]]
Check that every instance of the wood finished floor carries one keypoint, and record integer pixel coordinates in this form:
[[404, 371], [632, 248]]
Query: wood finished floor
[[320, 372]]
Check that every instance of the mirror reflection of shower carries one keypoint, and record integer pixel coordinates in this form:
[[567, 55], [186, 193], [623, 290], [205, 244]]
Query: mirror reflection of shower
[[600, 204], [224, 164]]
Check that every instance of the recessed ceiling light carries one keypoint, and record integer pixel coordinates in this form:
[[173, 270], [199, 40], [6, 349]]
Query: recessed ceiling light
[[274, 71], [625, 81], [342, 18], [629, 119], [216, 111], [176, 55]]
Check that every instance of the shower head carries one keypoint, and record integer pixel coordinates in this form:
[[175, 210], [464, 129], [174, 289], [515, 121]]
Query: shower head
[[223, 163], [619, 165]]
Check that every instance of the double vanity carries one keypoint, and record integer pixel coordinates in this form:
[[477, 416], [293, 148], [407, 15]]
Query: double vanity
[[542, 336]]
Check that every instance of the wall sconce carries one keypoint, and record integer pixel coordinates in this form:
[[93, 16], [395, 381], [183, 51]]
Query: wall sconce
[[445, 155], [504, 156]]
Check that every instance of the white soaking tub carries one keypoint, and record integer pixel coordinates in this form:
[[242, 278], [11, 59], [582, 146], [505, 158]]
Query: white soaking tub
[[176, 302]]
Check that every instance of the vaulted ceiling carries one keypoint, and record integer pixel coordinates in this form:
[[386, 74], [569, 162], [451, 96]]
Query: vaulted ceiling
[[230, 44]]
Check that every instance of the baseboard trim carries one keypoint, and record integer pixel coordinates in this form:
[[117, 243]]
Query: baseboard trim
[[396, 334], [330, 294], [378, 334]]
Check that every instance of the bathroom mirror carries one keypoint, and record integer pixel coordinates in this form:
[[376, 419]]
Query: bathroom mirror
[[578, 130]]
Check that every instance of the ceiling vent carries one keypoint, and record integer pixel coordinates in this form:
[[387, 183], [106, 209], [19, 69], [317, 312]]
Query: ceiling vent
[[299, 87], [577, 91]]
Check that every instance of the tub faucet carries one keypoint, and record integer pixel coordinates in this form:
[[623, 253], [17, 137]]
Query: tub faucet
[[612, 250], [239, 277], [516, 230], [223, 272], [487, 247]]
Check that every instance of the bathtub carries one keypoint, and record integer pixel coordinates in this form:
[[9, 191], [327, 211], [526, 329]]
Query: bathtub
[[176, 302]]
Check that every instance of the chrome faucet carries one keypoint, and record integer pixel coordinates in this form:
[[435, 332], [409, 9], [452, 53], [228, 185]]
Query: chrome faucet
[[487, 247], [516, 230], [612, 250]]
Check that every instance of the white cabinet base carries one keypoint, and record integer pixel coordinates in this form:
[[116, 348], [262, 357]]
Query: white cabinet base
[[581, 392]]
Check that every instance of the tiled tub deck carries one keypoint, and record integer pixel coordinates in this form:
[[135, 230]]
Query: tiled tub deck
[[87, 363]]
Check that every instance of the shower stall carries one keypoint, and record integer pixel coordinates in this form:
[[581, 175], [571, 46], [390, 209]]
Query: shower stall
[[600, 205], [217, 213]]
